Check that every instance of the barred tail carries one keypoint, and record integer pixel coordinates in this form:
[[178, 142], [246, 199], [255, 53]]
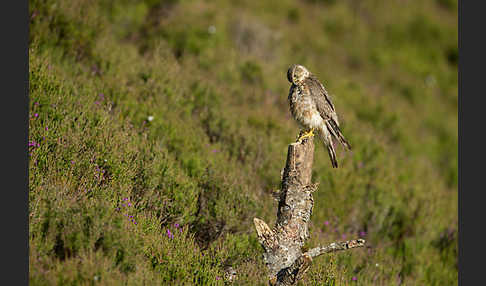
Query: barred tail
[[332, 155], [326, 139], [336, 132]]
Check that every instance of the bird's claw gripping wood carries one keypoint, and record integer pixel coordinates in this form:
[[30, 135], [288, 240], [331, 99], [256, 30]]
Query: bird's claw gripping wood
[[305, 135]]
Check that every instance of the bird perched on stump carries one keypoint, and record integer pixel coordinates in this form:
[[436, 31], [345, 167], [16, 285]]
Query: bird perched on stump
[[312, 108]]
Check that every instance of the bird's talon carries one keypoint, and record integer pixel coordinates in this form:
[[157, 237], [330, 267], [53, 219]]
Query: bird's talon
[[307, 134]]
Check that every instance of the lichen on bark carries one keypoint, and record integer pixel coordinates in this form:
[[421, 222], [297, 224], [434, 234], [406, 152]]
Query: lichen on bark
[[283, 243]]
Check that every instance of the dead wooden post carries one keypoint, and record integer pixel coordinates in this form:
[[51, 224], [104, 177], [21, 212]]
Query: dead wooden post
[[283, 244]]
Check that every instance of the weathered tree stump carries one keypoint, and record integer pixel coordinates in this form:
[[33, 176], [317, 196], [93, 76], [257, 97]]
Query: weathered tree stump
[[283, 244]]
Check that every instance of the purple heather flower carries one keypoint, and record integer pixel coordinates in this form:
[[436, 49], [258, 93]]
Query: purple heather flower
[[97, 102], [72, 162], [217, 277], [37, 114], [343, 236], [169, 234], [36, 103], [326, 222], [214, 150], [47, 128], [362, 233], [354, 278], [176, 225]]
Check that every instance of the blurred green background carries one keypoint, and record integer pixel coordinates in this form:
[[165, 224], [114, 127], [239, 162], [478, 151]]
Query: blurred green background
[[158, 130]]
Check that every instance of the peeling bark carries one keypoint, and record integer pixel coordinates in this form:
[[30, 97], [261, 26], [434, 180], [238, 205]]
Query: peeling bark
[[283, 243]]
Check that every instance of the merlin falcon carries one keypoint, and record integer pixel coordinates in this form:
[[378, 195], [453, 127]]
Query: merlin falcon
[[312, 108]]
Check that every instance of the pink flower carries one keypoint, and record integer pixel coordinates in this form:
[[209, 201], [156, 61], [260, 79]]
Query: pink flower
[[169, 234], [326, 222]]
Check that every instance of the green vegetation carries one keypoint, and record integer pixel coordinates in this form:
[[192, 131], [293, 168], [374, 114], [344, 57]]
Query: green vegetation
[[158, 130]]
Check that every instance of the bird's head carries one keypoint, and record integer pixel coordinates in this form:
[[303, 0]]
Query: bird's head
[[297, 73]]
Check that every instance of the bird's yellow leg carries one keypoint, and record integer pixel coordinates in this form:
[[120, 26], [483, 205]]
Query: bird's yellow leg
[[307, 134]]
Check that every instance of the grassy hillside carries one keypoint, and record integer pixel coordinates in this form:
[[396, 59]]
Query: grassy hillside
[[158, 130]]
